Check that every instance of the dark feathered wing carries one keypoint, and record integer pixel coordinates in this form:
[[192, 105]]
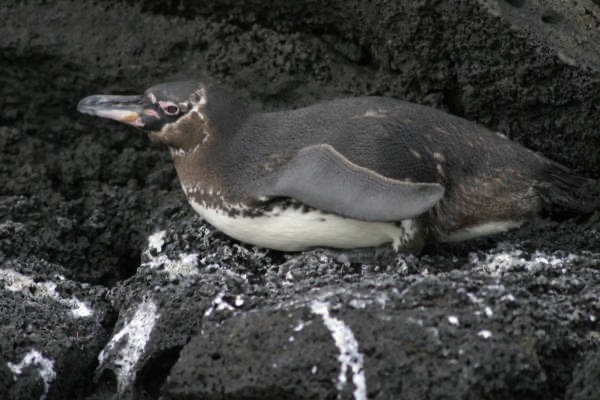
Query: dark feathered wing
[[321, 177]]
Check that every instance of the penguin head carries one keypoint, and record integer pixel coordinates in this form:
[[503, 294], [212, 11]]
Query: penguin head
[[177, 114]]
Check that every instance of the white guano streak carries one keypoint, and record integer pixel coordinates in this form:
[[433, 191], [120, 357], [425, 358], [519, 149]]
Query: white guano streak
[[349, 355], [135, 335], [17, 282], [45, 368]]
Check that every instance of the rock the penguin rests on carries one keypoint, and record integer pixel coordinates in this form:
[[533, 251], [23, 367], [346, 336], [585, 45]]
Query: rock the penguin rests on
[[345, 174]]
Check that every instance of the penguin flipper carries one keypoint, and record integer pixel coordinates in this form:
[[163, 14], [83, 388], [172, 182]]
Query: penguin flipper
[[321, 177]]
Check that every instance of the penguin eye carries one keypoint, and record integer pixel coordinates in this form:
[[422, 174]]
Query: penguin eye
[[169, 108]]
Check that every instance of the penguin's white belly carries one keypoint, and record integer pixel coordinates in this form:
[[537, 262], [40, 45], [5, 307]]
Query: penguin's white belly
[[484, 229], [294, 229]]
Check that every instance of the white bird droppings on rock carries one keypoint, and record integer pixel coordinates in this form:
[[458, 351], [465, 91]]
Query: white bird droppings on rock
[[239, 301], [218, 304], [45, 368], [156, 241], [135, 335], [17, 282], [299, 327], [488, 312], [350, 356], [358, 304], [498, 263], [508, 297], [484, 333], [187, 265], [79, 309], [453, 320]]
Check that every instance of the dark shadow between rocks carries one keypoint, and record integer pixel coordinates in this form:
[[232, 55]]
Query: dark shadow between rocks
[[106, 385], [155, 371]]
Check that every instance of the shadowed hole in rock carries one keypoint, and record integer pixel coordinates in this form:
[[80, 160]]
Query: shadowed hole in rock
[[515, 3], [106, 383], [551, 17], [453, 100], [128, 263], [155, 371], [278, 257]]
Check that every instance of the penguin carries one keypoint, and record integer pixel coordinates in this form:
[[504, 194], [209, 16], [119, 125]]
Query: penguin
[[351, 173]]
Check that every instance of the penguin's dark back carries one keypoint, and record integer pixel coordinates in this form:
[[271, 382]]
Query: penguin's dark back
[[225, 111], [397, 139]]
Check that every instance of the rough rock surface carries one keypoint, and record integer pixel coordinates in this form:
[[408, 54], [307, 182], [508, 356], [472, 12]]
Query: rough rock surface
[[111, 287]]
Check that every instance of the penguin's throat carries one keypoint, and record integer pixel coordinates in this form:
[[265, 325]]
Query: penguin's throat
[[198, 177], [207, 195], [205, 189]]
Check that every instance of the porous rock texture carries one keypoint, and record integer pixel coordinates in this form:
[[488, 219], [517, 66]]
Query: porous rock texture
[[111, 287]]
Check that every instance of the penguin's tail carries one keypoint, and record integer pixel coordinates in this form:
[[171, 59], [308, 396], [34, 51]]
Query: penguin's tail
[[562, 191]]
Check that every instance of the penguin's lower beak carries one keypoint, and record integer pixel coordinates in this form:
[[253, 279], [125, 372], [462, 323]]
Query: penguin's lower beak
[[126, 109]]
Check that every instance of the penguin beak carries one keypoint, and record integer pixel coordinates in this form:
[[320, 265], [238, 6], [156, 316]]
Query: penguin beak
[[126, 109]]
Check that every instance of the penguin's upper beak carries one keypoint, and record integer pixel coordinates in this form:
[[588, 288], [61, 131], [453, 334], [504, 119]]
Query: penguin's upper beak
[[126, 109]]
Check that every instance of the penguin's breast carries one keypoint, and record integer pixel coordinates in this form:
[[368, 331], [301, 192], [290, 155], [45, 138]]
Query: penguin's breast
[[295, 227]]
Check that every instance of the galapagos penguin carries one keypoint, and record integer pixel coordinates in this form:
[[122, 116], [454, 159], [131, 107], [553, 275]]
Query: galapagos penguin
[[351, 173]]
